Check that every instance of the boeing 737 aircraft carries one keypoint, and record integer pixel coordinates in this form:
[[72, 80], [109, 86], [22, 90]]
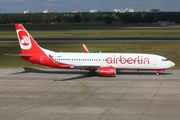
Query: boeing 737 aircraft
[[105, 64]]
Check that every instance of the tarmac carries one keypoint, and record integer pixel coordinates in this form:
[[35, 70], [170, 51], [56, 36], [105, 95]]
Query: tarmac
[[54, 94]]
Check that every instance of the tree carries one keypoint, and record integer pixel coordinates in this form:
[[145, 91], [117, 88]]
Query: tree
[[59, 18], [138, 18], [149, 18], [86, 19], [127, 18], [108, 20], [177, 20], [107, 17], [77, 18], [67, 19]]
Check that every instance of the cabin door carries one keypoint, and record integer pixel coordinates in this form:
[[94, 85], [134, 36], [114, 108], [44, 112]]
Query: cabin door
[[42, 59], [154, 61]]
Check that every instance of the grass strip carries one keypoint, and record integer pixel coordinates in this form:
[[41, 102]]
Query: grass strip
[[93, 33]]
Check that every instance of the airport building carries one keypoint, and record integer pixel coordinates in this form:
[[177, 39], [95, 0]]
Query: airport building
[[124, 10], [94, 11], [27, 11], [47, 11], [76, 11], [153, 10]]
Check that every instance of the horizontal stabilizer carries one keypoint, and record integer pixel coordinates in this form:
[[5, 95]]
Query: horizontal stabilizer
[[19, 55], [13, 54], [25, 55]]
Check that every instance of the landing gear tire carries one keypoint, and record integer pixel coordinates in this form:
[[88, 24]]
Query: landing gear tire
[[90, 74], [157, 74]]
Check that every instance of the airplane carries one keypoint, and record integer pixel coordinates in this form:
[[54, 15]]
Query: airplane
[[105, 64]]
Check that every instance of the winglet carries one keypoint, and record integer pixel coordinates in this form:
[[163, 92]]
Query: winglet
[[85, 48]]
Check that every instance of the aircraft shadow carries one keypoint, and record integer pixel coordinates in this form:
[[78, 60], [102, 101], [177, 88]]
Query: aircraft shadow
[[34, 70], [141, 73], [83, 74], [72, 78]]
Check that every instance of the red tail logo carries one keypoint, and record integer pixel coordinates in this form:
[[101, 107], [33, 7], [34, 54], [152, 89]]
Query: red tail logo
[[24, 39]]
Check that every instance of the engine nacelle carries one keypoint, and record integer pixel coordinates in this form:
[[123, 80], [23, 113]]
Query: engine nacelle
[[107, 71]]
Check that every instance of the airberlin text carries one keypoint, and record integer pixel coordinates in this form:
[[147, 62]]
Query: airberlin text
[[127, 60]]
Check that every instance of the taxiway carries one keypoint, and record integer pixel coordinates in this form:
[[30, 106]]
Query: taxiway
[[53, 94]]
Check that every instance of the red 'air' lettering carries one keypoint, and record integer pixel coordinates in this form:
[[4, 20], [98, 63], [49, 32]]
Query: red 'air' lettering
[[127, 60]]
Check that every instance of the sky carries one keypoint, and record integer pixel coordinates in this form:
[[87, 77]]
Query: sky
[[18, 6]]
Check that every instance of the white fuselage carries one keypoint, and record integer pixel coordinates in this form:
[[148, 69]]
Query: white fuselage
[[117, 60]]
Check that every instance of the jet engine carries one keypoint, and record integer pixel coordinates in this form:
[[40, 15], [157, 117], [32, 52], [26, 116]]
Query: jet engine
[[107, 71]]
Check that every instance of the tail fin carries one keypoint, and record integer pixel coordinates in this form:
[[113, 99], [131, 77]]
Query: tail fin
[[27, 43]]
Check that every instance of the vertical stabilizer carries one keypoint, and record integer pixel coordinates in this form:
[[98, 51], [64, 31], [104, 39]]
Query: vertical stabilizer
[[27, 43]]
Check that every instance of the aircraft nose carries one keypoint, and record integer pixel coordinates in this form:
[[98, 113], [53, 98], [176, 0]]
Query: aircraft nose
[[171, 64]]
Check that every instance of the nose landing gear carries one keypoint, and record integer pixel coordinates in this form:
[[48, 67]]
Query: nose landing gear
[[159, 71]]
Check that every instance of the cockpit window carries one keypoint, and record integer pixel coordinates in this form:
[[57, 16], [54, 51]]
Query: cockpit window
[[164, 60]]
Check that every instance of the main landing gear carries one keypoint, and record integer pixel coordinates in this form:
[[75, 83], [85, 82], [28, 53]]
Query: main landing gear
[[91, 73]]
